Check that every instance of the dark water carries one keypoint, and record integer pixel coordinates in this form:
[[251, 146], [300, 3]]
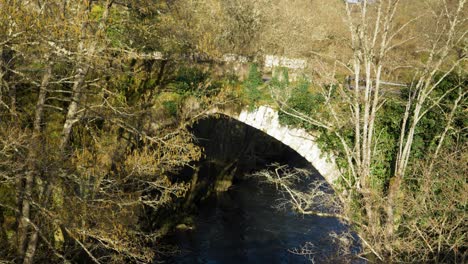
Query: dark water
[[240, 226]]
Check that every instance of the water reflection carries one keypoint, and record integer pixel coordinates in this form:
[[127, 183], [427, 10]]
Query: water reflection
[[240, 226]]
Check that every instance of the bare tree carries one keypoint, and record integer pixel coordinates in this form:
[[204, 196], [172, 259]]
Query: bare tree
[[89, 162], [316, 199], [375, 37]]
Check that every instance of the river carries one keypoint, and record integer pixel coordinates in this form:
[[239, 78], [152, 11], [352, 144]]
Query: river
[[242, 225]]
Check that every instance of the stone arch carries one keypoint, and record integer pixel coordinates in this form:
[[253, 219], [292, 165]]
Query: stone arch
[[266, 119]]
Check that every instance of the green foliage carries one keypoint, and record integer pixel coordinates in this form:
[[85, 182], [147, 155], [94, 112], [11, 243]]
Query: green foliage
[[254, 78], [115, 33], [388, 125], [7, 196], [96, 12], [189, 79], [252, 84], [171, 107], [282, 81], [303, 101], [194, 81], [328, 142], [433, 123], [231, 78]]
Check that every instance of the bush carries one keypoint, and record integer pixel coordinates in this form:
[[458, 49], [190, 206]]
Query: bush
[[231, 78], [170, 107], [433, 209], [193, 81], [280, 79], [433, 122], [252, 84], [303, 101]]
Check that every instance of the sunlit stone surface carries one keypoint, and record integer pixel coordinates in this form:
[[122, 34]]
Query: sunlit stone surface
[[266, 119]]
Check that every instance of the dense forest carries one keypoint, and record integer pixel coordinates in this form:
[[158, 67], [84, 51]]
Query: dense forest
[[97, 98]]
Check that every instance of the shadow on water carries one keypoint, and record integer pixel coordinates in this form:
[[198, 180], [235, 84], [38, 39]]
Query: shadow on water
[[240, 225]]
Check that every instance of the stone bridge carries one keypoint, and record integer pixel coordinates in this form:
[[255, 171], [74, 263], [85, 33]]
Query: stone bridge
[[266, 119]]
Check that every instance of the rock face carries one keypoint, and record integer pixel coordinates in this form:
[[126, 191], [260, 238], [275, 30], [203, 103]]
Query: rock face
[[266, 119]]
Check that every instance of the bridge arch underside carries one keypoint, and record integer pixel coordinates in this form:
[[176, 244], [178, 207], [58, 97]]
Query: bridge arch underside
[[266, 119], [233, 147]]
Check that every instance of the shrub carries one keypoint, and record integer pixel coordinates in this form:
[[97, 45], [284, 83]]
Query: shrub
[[252, 84], [190, 81], [280, 79], [303, 101], [170, 107]]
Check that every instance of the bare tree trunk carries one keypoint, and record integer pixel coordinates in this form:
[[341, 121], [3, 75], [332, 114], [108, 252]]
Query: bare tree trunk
[[425, 85], [39, 115], [5, 86], [30, 176], [3, 235], [72, 114], [389, 227], [6, 64], [161, 72], [82, 71], [25, 214], [423, 89], [34, 237], [12, 95], [455, 106], [71, 118], [31, 250]]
